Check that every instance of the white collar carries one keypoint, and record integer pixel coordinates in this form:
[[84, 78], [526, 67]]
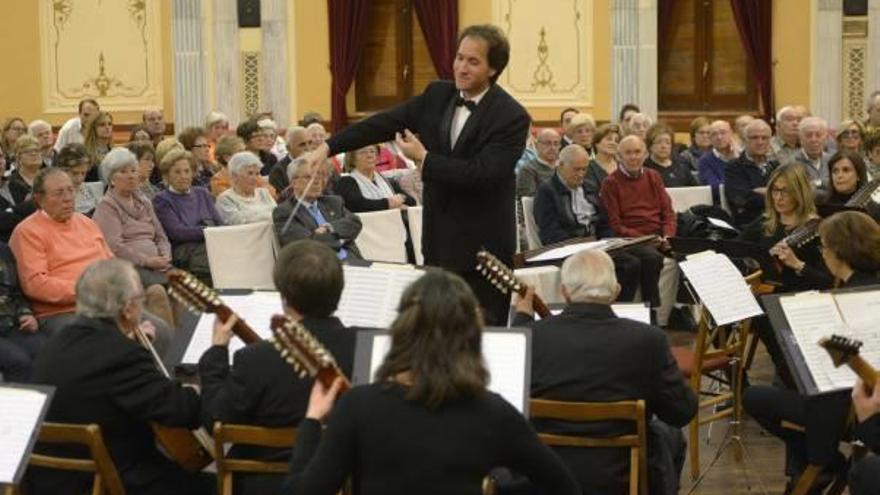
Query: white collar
[[475, 99]]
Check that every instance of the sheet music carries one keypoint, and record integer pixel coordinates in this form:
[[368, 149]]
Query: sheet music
[[812, 316], [721, 287], [255, 308], [371, 294], [505, 355], [19, 417], [633, 311], [859, 311], [568, 250]]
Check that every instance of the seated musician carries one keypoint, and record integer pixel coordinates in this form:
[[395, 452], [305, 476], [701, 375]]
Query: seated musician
[[848, 175], [851, 250], [102, 375], [428, 423], [587, 354], [260, 388], [864, 475], [564, 209], [637, 204]]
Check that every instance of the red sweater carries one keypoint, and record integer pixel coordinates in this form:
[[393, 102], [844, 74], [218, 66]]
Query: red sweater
[[637, 206]]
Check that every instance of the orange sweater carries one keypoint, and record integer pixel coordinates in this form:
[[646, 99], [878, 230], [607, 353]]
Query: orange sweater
[[52, 255]]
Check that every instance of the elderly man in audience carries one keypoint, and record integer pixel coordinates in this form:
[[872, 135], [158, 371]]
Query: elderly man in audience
[[785, 144], [813, 133], [587, 354], [42, 132], [103, 375], [542, 167], [711, 166], [259, 389], [28, 161], [745, 179], [185, 211], [637, 204], [74, 130], [739, 129], [297, 146], [154, 122], [75, 160], [872, 123], [319, 217], [638, 125], [565, 208], [20, 334], [245, 202]]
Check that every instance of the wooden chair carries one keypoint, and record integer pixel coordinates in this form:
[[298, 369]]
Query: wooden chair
[[808, 478], [248, 435], [106, 478], [601, 411], [714, 351]]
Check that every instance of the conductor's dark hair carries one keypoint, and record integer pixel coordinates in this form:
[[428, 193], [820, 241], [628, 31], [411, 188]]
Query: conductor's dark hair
[[498, 48], [309, 277], [437, 339]]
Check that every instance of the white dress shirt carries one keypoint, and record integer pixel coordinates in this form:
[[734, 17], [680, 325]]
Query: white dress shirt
[[460, 116]]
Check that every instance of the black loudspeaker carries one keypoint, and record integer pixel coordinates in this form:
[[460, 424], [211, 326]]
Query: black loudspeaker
[[855, 7], [248, 13]]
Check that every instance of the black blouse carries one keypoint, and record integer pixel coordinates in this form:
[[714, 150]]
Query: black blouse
[[814, 276], [678, 174]]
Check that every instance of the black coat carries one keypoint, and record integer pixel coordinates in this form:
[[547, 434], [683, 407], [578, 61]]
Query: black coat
[[554, 215], [469, 188], [348, 189], [741, 178], [346, 225]]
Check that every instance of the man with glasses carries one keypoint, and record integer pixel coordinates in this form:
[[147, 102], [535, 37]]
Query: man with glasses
[[542, 167], [745, 179]]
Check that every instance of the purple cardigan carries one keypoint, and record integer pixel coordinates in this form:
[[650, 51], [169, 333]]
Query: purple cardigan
[[184, 216]]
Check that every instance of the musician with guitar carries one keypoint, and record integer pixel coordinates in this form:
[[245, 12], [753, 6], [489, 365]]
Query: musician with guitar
[[103, 375], [260, 388], [864, 476]]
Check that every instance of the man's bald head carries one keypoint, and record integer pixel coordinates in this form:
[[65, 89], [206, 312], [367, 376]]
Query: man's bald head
[[547, 145], [721, 135], [632, 153]]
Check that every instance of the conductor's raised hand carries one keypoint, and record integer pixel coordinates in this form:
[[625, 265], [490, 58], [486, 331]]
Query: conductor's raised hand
[[322, 398], [410, 146]]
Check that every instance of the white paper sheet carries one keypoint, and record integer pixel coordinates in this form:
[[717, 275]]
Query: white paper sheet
[[633, 311], [505, 355], [371, 295], [19, 411], [860, 311], [721, 287], [566, 251]]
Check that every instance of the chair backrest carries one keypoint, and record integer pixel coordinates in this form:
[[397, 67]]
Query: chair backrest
[[106, 478], [414, 217], [532, 239], [96, 188], [588, 412], [725, 205], [242, 256], [248, 435], [383, 236], [685, 197]]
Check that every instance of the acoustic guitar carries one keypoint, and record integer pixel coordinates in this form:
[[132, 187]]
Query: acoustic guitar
[[844, 350], [199, 298], [502, 277], [305, 353]]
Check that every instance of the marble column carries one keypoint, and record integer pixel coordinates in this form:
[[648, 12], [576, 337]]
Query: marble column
[[827, 76], [189, 64], [276, 94], [634, 55], [227, 65], [872, 62]]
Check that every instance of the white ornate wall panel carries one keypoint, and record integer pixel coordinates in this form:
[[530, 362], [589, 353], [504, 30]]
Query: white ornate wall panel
[[551, 46], [106, 49]]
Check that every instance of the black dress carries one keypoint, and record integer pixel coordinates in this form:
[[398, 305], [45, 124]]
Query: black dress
[[678, 174]]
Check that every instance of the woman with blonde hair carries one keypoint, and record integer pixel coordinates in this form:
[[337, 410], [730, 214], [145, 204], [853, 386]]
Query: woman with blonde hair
[[581, 129], [98, 141], [850, 136]]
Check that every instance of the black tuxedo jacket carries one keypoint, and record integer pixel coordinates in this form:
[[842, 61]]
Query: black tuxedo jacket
[[346, 225], [587, 354], [103, 377], [469, 188]]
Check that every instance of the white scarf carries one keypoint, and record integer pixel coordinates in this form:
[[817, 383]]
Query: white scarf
[[373, 190]]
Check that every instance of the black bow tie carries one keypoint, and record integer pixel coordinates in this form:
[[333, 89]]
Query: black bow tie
[[469, 104]]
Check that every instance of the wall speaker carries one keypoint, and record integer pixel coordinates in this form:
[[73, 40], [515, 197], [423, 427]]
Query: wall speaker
[[855, 7], [248, 13]]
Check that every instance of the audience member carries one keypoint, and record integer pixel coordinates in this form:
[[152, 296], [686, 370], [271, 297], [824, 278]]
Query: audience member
[[317, 136], [564, 121], [217, 125], [411, 184], [20, 336], [739, 129], [587, 354], [873, 111], [310, 118], [128, 221], [146, 157], [154, 121], [428, 407], [195, 140], [872, 150], [863, 475], [140, 134], [626, 113], [184, 211], [11, 213], [257, 141], [712, 165], [580, 131], [850, 136], [297, 146], [13, 129], [227, 146], [812, 133], [604, 162], [674, 173], [28, 163], [638, 125], [320, 217], [745, 179], [848, 176], [364, 189], [259, 389], [701, 142], [74, 130], [785, 144], [98, 141], [42, 132], [277, 144], [75, 160], [245, 202], [542, 167]]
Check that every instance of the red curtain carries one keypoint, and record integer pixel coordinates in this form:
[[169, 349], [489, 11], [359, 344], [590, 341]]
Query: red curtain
[[439, 21], [665, 8], [753, 21], [348, 33]]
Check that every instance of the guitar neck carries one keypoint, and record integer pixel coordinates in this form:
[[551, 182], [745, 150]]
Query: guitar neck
[[327, 375], [863, 195], [241, 329], [538, 304], [865, 371]]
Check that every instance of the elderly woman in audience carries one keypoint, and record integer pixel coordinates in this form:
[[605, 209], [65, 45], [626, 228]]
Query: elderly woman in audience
[[604, 162], [165, 146], [701, 142], [245, 202], [140, 134], [217, 125], [28, 161], [195, 140], [74, 159], [227, 146], [259, 142], [146, 157], [127, 219], [13, 128], [184, 211], [581, 130], [11, 213], [660, 158], [317, 136], [98, 141], [850, 136], [42, 132], [365, 189], [433, 381], [638, 125]]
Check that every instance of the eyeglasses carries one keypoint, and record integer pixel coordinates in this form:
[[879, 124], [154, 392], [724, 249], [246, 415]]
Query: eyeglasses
[[206, 145], [32, 152], [849, 133], [554, 144], [782, 191], [17, 128], [61, 193]]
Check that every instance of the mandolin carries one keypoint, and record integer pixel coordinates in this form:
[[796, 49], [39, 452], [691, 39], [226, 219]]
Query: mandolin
[[863, 196], [502, 277], [199, 298], [802, 235], [302, 350], [844, 350]]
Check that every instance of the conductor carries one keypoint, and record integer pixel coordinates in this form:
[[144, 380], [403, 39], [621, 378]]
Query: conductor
[[466, 137]]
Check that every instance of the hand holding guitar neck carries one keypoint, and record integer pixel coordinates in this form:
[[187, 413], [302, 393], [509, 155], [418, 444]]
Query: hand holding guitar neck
[[199, 298], [865, 394], [502, 277]]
